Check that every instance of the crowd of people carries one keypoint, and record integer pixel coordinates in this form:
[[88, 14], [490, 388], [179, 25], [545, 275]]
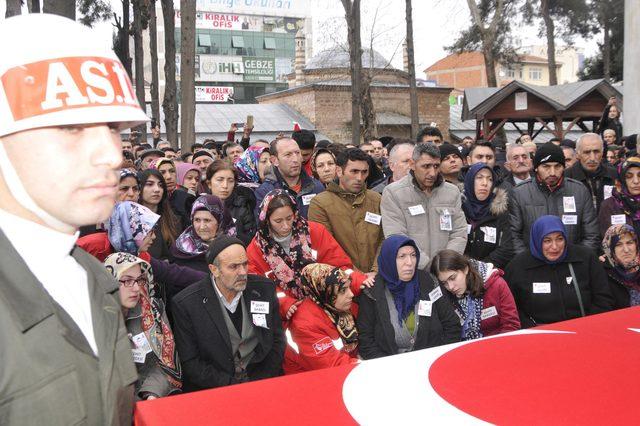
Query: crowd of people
[[252, 259], [249, 259]]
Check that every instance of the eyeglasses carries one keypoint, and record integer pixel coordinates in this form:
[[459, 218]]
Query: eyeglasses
[[141, 281]]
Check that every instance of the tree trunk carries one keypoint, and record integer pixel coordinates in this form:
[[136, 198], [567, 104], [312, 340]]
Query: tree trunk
[[369, 122], [352, 16], [606, 51], [170, 102], [13, 8], [489, 64], [153, 48], [126, 34], [66, 8], [187, 73], [413, 90], [551, 42], [139, 63], [35, 6]]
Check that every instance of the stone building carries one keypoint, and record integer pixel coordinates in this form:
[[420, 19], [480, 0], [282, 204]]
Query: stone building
[[320, 90]]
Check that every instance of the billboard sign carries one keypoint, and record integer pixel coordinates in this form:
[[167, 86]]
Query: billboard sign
[[213, 93], [259, 69]]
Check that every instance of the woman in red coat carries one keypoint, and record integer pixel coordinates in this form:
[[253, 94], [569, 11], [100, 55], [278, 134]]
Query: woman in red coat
[[323, 330], [285, 243], [480, 296]]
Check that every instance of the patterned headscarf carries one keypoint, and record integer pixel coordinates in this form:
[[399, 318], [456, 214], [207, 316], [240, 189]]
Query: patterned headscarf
[[321, 284], [285, 267], [155, 164], [154, 321], [189, 242], [128, 226], [627, 274], [181, 171], [125, 173], [630, 204], [247, 164]]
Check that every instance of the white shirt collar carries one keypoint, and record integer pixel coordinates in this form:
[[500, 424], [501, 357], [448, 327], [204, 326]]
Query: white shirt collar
[[47, 254], [231, 306], [31, 238]]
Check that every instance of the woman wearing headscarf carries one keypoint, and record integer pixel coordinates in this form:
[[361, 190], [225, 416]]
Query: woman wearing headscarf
[[485, 207], [624, 204], [128, 187], [323, 330], [556, 281], [252, 165], [404, 311], [323, 165], [222, 178], [154, 195], [180, 201], [620, 247], [152, 342], [130, 229], [187, 177], [209, 218], [480, 297], [285, 243]]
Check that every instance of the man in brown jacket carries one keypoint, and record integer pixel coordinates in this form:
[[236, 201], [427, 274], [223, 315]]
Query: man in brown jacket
[[350, 211], [65, 357]]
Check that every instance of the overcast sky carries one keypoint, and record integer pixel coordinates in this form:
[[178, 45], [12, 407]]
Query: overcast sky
[[436, 24]]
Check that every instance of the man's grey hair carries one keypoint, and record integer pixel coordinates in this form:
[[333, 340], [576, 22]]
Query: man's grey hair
[[429, 148], [511, 147], [394, 151], [588, 136]]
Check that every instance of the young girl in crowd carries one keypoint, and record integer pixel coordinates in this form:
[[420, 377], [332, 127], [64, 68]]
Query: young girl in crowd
[[323, 330], [239, 200], [154, 195], [153, 345], [479, 295], [209, 219], [187, 177], [180, 201], [285, 243], [620, 247], [485, 208], [405, 310]]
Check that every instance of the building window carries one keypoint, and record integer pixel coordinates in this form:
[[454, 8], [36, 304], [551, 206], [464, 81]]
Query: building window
[[511, 73], [535, 74], [269, 43], [204, 40], [237, 41]]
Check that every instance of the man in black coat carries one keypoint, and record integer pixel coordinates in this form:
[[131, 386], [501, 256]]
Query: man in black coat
[[227, 326], [598, 177], [550, 193]]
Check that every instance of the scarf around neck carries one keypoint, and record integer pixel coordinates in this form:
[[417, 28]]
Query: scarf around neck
[[285, 267], [154, 320], [321, 284]]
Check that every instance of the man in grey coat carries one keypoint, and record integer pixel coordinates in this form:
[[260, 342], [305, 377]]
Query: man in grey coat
[[550, 193], [425, 208], [65, 357]]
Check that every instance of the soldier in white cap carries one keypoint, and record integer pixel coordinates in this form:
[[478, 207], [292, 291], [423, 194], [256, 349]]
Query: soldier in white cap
[[65, 357]]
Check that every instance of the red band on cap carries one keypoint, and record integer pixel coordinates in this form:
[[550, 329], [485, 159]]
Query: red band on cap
[[66, 83]]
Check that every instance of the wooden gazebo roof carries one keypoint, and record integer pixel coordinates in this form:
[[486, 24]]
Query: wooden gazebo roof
[[528, 104]]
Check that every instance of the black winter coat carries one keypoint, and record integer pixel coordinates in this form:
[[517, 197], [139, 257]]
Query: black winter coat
[[241, 204], [480, 241], [376, 333], [527, 202], [606, 176], [620, 293], [554, 298]]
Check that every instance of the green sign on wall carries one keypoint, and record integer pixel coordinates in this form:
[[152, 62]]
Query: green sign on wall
[[259, 69]]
